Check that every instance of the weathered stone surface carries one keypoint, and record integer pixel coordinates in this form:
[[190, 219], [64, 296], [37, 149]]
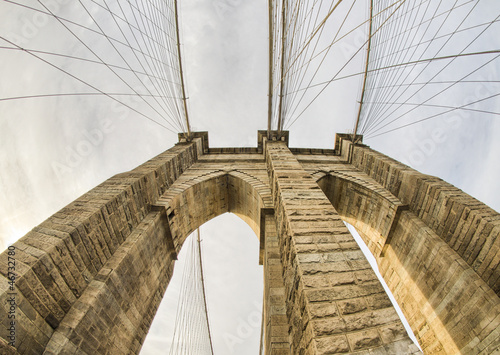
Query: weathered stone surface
[[119, 300], [90, 278], [275, 321], [307, 272]]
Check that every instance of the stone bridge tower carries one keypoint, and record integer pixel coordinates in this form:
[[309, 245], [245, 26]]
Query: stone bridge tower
[[90, 278]]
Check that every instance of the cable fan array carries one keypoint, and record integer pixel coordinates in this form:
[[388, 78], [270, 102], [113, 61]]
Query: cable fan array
[[429, 60], [295, 27], [305, 38], [116, 49], [425, 58], [421, 59], [192, 329]]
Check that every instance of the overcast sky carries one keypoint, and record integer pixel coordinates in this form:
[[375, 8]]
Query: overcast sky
[[225, 47]]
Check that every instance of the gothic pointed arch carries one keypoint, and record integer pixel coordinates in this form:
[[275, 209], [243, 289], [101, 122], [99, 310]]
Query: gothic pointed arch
[[223, 190], [364, 204]]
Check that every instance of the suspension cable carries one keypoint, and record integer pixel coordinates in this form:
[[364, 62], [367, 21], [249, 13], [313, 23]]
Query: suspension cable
[[184, 98], [363, 89]]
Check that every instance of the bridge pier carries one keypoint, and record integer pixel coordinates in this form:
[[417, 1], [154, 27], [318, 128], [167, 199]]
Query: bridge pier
[[89, 279]]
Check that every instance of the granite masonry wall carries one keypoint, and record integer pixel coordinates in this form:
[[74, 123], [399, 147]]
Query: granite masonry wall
[[90, 278]]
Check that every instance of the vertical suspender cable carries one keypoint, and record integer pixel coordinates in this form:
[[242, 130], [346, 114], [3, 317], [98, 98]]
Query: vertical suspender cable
[[261, 347], [363, 90], [283, 51], [204, 295], [184, 98], [271, 60]]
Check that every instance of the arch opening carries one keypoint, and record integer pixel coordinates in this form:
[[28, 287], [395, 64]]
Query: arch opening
[[371, 210], [234, 286], [234, 279], [198, 198]]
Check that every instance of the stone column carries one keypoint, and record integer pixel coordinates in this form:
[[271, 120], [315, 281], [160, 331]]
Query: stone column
[[275, 320], [114, 313], [334, 302]]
